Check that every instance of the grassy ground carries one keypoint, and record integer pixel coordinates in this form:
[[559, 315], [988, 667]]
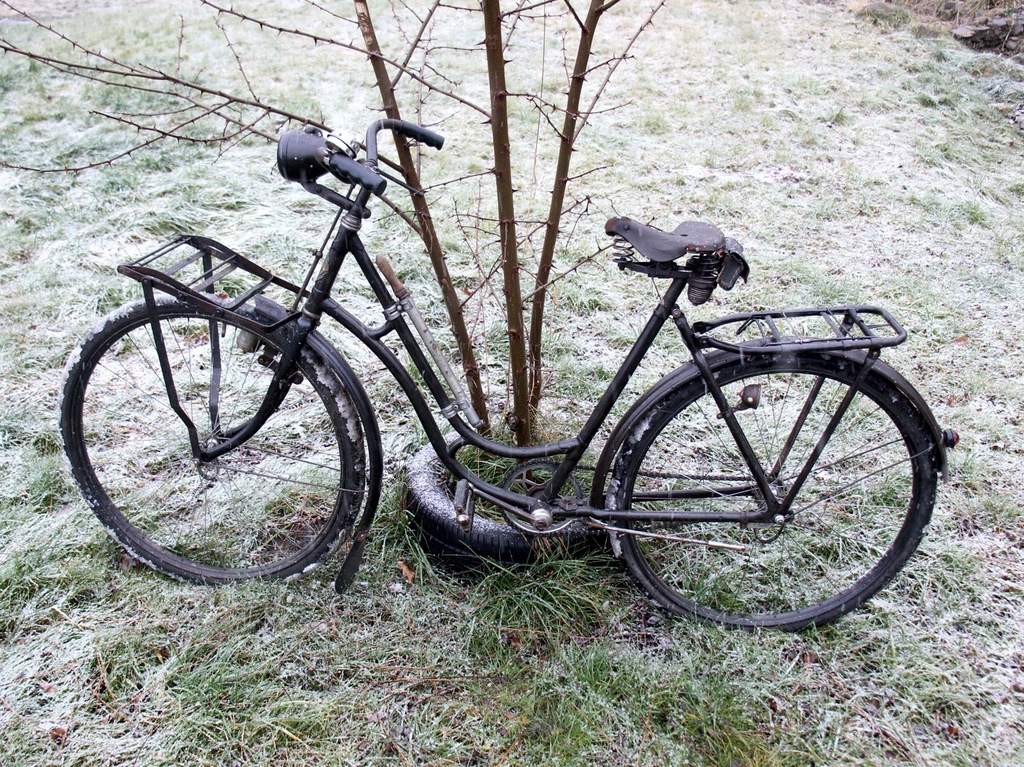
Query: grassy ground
[[853, 162]]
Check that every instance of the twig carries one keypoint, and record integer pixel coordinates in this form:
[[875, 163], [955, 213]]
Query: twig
[[587, 113], [79, 169], [577, 266], [402, 214], [520, 10], [317, 39], [238, 59], [128, 72], [415, 43], [329, 12], [579, 21]]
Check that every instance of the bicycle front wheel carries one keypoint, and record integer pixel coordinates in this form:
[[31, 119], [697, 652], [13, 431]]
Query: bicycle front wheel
[[857, 517], [273, 507]]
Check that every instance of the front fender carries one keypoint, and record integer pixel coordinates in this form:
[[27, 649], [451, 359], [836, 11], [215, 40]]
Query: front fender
[[360, 400]]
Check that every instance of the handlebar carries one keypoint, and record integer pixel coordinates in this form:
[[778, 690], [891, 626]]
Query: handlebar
[[344, 167], [410, 130], [303, 156]]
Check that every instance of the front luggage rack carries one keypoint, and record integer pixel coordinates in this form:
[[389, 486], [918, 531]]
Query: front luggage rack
[[836, 328], [203, 272]]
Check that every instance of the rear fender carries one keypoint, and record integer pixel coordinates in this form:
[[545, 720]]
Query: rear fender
[[716, 360]]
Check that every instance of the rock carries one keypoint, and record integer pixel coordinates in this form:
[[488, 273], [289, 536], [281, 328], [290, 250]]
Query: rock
[[880, 11], [949, 10]]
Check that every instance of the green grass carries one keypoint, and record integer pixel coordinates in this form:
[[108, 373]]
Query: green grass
[[853, 160]]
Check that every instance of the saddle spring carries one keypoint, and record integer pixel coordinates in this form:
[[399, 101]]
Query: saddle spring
[[703, 280], [622, 250]]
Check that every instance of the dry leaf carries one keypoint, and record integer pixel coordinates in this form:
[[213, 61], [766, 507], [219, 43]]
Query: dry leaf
[[47, 687], [59, 735], [962, 340], [408, 572]]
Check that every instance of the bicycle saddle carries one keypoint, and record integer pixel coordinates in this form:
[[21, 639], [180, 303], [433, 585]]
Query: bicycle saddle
[[659, 246]]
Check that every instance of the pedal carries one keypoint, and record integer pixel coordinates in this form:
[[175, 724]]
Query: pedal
[[464, 503]]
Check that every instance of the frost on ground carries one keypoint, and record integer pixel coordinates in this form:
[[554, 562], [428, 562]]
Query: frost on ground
[[854, 162]]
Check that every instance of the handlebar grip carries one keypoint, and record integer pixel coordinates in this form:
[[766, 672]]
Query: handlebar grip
[[421, 134], [352, 171]]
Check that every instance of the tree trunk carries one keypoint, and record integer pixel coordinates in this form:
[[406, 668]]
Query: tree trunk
[[520, 420], [551, 226], [426, 224]]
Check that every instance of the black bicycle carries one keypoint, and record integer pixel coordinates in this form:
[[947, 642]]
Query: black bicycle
[[779, 478]]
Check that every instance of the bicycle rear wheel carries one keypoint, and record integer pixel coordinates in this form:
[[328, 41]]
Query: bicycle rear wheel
[[855, 521], [273, 507]]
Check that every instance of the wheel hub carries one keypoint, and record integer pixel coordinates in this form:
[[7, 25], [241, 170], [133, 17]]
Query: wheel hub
[[209, 470]]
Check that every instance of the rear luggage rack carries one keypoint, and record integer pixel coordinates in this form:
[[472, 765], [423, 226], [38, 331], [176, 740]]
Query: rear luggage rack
[[203, 272], [837, 328]]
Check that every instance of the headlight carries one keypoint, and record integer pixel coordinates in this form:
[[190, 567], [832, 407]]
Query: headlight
[[299, 153]]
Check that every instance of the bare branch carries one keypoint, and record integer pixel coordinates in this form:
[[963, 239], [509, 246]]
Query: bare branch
[[449, 182], [415, 42], [107, 162], [64, 38], [131, 74], [580, 263], [598, 169], [426, 227], [579, 21], [166, 133], [402, 214], [317, 39], [522, 9], [90, 166], [238, 60], [587, 113], [329, 12], [181, 46]]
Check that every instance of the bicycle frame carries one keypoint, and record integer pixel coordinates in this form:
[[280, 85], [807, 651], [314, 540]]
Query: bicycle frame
[[311, 305], [319, 302]]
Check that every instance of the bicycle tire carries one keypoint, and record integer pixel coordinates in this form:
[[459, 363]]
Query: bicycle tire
[[272, 508], [431, 511], [859, 516]]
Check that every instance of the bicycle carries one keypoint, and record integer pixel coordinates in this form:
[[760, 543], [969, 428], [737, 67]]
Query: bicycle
[[218, 435]]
